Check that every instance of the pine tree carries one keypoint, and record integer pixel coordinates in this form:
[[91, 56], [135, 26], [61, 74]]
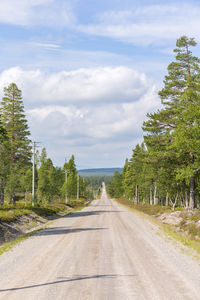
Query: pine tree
[[115, 189], [15, 124], [71, 186], [4, 162], [170, 128], [18, 145], [43, 156], [180, 95], [46, 182]]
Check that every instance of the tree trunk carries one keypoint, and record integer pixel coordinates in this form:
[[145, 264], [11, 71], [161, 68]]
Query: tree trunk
[[151, 196], [167, 200], [136, 194], [1, 191], [25, 196], [13, 198], [192, 185], [174, 203], [192, 193], [186, 200], [2, 197], [155, 200]]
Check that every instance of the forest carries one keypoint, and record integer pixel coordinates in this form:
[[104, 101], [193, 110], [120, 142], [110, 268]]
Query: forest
[[165, 168], [51, 183]]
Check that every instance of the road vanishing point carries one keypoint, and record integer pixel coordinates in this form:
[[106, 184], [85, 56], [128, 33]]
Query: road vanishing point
[[103, 252]]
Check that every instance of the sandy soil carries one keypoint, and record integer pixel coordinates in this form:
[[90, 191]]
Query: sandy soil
[[103, 252]]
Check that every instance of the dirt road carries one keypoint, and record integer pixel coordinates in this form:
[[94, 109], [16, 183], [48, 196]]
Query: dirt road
[[103, 252]]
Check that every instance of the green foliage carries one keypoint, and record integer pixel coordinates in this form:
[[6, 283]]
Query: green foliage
[[15, 152], [70, 185], [26, 180], [115, 189], [15, 161], [46, 181], [75, 203], [92, 185], [96, 181], [146, 208], [15, 123], [12, 214], [165, 168]]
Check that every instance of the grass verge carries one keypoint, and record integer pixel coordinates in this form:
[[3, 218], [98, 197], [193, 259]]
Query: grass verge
[[13, 212], [152, 210], [44, 211], [9, 245], [151, 213]]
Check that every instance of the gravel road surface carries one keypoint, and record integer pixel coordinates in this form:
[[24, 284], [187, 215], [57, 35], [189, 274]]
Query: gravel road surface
[[103, 252]]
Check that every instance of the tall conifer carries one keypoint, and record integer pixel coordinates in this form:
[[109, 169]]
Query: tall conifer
[[170, 127], [18, 146]]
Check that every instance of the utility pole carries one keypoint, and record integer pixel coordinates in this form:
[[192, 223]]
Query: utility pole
[[33, 182], [77, 186], [66, 200], [33, 176]]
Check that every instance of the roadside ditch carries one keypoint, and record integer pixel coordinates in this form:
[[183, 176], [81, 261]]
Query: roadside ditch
[[16, 223]]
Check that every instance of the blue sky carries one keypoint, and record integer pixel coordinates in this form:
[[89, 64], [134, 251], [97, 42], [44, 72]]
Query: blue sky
[[90, 70]]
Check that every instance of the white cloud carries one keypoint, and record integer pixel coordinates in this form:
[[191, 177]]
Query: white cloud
[[45, 45], [36, 12], [85, 111], [147, 24], [93, 132], [102, 84]]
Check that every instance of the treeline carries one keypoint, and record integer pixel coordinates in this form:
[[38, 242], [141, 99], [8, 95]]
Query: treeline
[[51, 183], [56, 183], [94, 183], [165, 168]]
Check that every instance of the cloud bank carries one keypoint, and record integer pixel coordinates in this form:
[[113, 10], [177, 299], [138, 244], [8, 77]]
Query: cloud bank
[[83, 86], [86, 110]]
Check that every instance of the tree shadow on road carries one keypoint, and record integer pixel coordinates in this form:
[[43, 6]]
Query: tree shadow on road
[[65, 230], [96, 205], [91, 213], [67, 279]]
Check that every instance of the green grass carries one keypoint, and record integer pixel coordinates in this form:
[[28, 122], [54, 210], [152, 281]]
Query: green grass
[[181, 238], [195, 217], [153, 210], [76, 202], [10, 213]]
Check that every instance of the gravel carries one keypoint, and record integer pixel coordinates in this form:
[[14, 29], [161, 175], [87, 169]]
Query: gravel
[[103, 252]]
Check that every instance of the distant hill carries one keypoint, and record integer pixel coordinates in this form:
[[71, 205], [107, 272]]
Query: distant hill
[[99, 172]]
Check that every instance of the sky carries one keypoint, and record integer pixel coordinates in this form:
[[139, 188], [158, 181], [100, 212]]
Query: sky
[[90, 70]]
